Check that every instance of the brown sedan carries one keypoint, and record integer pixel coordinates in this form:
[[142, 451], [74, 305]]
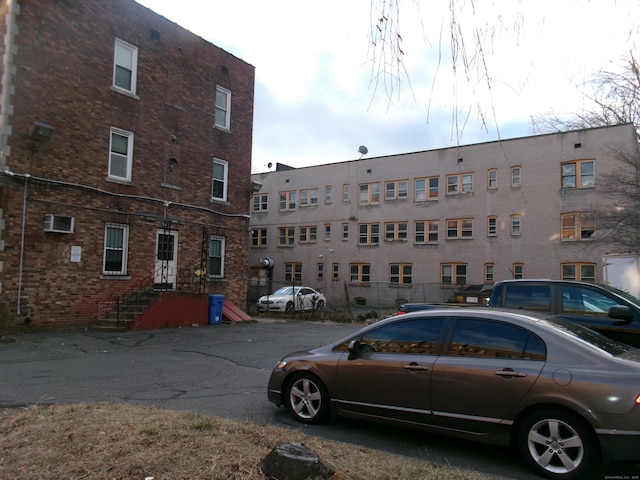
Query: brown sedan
[[564, 395]]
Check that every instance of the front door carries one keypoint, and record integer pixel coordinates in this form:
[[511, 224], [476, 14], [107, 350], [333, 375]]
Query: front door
[[166, 259]]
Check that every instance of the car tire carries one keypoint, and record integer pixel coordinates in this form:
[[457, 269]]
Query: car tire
[[289, 308], [307, 398], [558, 444], [320, 305]]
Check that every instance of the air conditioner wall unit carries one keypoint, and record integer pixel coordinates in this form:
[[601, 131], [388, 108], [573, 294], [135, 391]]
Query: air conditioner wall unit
[[58, 223]]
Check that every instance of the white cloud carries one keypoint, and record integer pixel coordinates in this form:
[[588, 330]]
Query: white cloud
[[316, 99]]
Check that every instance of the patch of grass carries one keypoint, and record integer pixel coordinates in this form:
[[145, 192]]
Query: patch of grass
[[121, 442]]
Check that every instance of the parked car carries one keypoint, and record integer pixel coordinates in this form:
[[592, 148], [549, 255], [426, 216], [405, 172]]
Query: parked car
[[606, 309], [291, 299], [564, 395]]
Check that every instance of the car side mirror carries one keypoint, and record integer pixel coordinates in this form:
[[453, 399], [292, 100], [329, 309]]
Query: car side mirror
[[621, 312]]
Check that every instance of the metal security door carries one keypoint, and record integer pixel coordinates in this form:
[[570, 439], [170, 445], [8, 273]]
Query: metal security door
[[166, 260]]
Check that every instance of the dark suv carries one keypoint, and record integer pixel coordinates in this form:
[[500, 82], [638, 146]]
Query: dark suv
[[600, 307]]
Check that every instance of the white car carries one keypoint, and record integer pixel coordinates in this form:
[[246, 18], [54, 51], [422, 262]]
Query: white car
[[291, 299]]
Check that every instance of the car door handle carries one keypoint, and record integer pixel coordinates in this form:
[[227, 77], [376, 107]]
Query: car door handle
[[415, 366], [507, 372]]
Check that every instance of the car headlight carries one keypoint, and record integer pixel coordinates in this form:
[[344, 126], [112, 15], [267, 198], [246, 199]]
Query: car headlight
[[281, 364]]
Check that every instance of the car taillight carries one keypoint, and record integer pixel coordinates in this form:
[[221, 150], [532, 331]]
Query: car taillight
[[400, 312], [638, 399]]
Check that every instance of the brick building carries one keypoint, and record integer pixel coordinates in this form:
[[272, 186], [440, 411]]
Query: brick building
[[125, 160], [426, 226]]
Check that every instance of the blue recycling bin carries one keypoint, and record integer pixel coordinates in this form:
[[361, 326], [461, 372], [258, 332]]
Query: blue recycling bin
[[216, 303]]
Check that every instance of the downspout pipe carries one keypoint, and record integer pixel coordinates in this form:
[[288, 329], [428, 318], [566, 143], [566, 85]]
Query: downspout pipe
[[22, 232]]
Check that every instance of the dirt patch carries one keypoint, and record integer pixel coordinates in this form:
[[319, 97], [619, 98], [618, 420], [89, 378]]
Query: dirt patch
[[122, 442]]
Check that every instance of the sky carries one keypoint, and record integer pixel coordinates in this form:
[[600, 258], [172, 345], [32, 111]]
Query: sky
[[321, 91]]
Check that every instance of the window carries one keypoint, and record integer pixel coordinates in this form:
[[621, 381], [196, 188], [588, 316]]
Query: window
[[578, 226], [516, 225], [125, 65], [396, 190], [516, 177], [586, 301], [579, 174], [426, 231], [369, 234], [260, 202], [293, 272], [412, 337], [492, 178], [459, 228], [453, 274], [216, 256], [585, 272], [400, 273], [517, 270], [286, 236], [308, 234], [360, 272], [288, 201], [259, 237], [116, 243], [120, 154], [369, 194], [223, 108], [328, 194], [492, 226], [345, 231], [346, 193], [220, 180], [335, 271], [459, 183], [529, 297], [327, 232], [309, 197], [489, 269], [489, 339], [396, 231], [320, 271]]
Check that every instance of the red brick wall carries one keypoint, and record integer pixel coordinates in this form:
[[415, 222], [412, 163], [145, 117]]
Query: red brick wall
[[64, 69]]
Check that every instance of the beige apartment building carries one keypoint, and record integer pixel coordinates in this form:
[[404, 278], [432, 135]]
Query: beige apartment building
[[425, 226]]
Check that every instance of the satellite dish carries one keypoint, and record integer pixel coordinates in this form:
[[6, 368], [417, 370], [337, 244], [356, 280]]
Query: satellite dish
[[363, 150], [269, 165]]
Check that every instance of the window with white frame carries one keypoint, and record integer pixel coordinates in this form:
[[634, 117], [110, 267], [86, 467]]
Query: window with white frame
[[125, 65], [293, 272], [492, 178], [308, 234], [369, 234], [369, 193], [400, 273], [116, 244], [120, 154], [516, 225], [516, 177], [579, 174], [459, 183], [288, 200], [220, 180], [585, 272], [223, 108], [360, 272], [492, 226], [426, 231], [453, 274], [489, 276], [309, 197], [459, 228], [259, 237], [396, 190], [328, 194], [345, 231], [327, 231], [578, 226], [286, 236], [396, 231], [335, 271], [216, 256], [346, 193], [320, 271], [260, 202], [517, 270]]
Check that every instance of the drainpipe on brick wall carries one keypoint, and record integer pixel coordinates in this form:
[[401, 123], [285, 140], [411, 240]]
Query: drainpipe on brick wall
[[24, 221]]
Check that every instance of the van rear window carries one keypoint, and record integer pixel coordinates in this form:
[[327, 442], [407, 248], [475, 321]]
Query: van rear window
[[529, 297]]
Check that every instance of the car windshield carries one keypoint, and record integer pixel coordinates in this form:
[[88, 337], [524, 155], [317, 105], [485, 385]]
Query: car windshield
[[585, 334], [284, 291]]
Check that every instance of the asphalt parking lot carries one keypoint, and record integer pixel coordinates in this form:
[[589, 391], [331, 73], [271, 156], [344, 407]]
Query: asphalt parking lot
[[219, 370]]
